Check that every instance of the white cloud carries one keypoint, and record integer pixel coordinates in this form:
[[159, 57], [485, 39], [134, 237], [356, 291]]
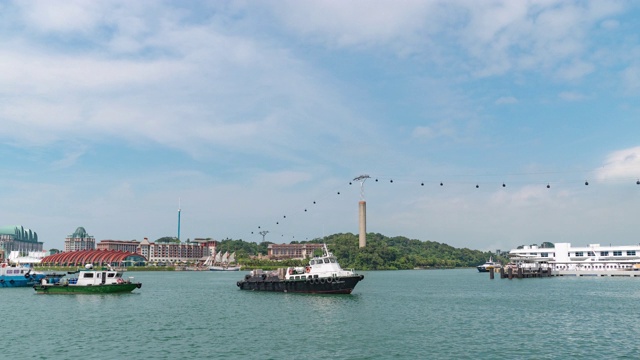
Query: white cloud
[[571, 96], [621, 165], [506, 100]]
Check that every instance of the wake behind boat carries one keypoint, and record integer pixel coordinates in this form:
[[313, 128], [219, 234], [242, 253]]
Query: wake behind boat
[[88, 281], [323, 275]]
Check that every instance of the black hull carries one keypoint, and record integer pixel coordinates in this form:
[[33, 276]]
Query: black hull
[[341, 285]]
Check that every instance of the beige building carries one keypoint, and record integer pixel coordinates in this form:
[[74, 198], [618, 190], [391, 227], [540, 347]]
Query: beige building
[[292, 251], [79, 240]]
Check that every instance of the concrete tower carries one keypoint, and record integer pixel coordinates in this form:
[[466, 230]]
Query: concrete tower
[[362, 212]]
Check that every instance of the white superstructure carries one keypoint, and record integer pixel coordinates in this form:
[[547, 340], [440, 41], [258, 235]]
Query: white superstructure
[[591, 258]]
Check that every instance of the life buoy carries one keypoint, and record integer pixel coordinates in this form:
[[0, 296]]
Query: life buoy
[[4, 265], [329, 280], [308, 269], [26, 275], [322, 281]]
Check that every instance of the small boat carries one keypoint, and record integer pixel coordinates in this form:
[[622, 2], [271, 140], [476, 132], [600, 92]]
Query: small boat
[[88, 281], [16, 275], [489, 265], [323, 275]]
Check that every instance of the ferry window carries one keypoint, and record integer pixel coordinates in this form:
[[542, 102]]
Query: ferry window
[[590, 253], [544, 255], [297, 277], [315, 276], [312, 262], [87, 275], [332, 260], [326, 261], [617, 253], [604, 253], [111, 275], [579, 253]]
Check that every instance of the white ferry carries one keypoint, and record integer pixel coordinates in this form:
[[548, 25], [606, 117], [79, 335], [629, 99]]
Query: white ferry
[[593, 259]]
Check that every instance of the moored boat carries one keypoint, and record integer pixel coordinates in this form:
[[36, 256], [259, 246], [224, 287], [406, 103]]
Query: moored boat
[[323, 275], [16, 275], [489, 265], [88, 281]]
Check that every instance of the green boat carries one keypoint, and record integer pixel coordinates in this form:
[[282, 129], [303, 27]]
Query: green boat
[[88, 281]]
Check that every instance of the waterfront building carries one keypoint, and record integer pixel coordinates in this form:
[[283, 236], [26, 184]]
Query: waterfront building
[[176, 252], [121, 245], [79, 240], [18, 238], [291, 251], [96, 257]]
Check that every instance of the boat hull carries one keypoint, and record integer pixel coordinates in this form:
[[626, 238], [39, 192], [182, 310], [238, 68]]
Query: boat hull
[[339, 285], [95, 289], [221, 268], [20, 281]]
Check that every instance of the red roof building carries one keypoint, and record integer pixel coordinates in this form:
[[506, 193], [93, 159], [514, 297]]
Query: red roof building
[[96, 257]]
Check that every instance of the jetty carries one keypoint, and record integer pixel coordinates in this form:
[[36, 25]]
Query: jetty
[[533, 272]]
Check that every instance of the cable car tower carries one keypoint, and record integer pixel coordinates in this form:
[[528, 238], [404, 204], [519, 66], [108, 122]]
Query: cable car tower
[[362, 212]]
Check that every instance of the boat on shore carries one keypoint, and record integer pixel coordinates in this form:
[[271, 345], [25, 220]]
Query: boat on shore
[[323, 275], [489, 265], [88, 281], [16, 275]]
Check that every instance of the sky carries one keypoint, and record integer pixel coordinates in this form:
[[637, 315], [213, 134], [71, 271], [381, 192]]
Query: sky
[[253, 116]]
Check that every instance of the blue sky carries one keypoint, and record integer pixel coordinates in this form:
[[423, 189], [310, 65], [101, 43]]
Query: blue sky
[[248, 112]]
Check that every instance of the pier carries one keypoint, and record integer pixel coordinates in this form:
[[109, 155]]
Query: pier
[[527, 272]]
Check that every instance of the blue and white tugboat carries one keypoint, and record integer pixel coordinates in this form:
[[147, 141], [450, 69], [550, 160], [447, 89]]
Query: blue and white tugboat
[[323, 275], [16, 275]]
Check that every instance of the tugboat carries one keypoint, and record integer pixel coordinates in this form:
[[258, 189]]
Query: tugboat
[[18, 275], [323, 275], [489, 265], [89, 281]]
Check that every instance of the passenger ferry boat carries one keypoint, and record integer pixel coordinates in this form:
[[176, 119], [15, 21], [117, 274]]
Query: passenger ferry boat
[[489, 265], [88, 281], [323, 275], [16, 275], [593, 259]]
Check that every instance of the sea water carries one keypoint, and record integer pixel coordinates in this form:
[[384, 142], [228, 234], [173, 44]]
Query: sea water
[[419, 314]]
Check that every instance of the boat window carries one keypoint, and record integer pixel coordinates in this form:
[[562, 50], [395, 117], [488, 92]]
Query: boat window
[[604, 253], [326, 261], [617, 253], [298, 277], [579, 253], [87, 275], [315, 276], [111, 275], [333, 260], [631, 253]]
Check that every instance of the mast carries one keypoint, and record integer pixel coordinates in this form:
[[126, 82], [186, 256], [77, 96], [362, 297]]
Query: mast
[[179, 219]]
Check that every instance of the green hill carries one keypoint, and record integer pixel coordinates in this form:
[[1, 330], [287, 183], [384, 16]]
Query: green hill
[[381, 253]]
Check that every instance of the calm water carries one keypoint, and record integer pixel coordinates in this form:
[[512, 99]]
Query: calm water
[[440, 314]]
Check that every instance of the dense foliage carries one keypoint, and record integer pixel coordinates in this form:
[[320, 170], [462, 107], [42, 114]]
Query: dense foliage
[[381, 253]]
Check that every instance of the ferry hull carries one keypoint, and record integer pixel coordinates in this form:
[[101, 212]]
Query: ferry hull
[[20, 281], [95, 289], [339, 285]]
